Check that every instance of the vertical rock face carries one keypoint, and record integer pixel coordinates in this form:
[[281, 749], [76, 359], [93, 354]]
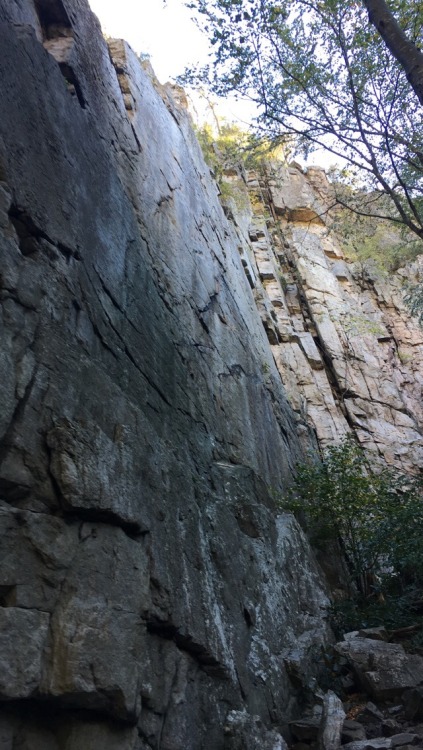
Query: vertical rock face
[[350, 356], [147, 587]]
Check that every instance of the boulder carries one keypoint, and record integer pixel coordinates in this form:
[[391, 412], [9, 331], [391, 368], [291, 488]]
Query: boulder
[[384, 670], [332, 721], [352, 731], [379, 743]]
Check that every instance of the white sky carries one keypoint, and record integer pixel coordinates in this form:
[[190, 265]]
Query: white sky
[[165, 31]]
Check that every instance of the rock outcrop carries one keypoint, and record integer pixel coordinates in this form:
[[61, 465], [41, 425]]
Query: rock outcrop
[[147, 586], [348, 352]]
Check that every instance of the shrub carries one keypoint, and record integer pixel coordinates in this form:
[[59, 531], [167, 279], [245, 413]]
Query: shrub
[[377, 516], [232, 147], [414, 301]]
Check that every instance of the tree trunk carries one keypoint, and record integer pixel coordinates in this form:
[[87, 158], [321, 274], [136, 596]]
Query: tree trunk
[[408, 55]]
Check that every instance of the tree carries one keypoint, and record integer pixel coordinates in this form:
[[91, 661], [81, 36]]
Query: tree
[[376, 515], [403, 49], [319, 70]]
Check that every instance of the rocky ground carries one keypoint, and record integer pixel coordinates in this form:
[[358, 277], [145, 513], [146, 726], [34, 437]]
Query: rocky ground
[[381, 686]]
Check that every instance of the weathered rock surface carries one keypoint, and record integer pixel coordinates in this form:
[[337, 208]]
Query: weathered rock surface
[[146, 587], [350, 356], [332, 722], [246, 732], [404, 741], [383, 669]]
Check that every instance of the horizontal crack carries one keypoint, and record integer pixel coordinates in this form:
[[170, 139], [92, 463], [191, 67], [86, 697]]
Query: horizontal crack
[[167, 630]]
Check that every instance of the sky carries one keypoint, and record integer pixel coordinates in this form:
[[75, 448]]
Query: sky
[[163, 30]]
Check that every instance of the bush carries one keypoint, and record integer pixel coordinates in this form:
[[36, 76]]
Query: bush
[[395, 610], [231, 147], [414, 301], [378, 519]]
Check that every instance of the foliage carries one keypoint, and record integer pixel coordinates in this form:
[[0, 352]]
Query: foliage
[[378, 517], [321, 72], [365, 238], [378, 520], [226, 149], [414, 301], [396, 609], [231, 146]]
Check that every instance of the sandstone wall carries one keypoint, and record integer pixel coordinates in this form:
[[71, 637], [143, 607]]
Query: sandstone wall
[[147, 587]]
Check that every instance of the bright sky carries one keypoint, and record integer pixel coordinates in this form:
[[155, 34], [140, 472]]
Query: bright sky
[[163, 30]]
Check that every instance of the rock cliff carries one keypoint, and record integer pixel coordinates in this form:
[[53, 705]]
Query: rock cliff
[[348, 352], [148, 587]]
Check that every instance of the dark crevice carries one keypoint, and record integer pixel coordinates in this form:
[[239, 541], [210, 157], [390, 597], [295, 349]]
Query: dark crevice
[[210, 305], [49, 712], [3, 177], [247, 617], [52, 13], [168, 631], [30, 235], [7, 595], [132, 529], [72, 83], [58, 41], [234, 371], [11, 492]]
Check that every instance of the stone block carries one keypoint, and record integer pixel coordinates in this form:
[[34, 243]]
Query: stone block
[[385, 670], [23, 637]]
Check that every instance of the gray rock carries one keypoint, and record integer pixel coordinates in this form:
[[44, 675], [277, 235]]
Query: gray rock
[[352, 730], [147, 582], [245, 732], [379, 743], [141, 433], [385, 670], [405, 738], [23, 640], [376, 634], [5, 201], [331, 725]]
